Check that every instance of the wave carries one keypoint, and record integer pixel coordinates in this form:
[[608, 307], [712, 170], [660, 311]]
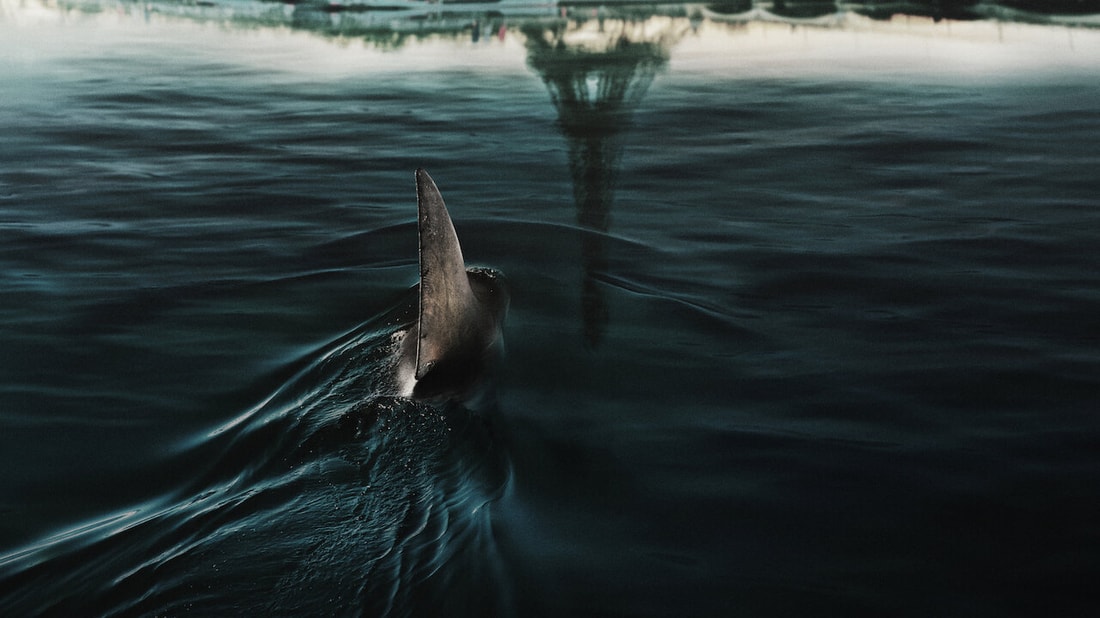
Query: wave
[[330, 496]]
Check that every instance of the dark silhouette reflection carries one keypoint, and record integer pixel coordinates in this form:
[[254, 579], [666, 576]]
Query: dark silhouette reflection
[[803, 8], [595, 82]]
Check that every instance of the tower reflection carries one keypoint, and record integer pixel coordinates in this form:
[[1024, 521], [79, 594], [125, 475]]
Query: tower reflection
[[597, 72]]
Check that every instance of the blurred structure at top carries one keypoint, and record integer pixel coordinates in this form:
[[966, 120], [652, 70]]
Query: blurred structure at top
[[390, 23]]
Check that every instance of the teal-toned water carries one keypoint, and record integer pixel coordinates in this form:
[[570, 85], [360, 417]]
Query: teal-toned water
[[803, 322]]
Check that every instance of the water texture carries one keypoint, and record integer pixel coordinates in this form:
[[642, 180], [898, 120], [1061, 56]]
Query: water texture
[[804, 312]]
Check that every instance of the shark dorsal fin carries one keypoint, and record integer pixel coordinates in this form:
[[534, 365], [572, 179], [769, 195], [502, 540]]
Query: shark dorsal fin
[[446, 299]]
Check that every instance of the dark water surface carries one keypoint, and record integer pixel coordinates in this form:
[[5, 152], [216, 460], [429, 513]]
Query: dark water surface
[[805, 318]]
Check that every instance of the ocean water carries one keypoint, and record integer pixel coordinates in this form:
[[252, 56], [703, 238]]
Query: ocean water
[[805, 312]]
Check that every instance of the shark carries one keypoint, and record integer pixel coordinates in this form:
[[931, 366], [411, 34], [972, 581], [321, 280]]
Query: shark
[[457, 333]]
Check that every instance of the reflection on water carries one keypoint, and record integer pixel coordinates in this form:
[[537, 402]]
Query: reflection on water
[[391, 24], [597, 72]]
